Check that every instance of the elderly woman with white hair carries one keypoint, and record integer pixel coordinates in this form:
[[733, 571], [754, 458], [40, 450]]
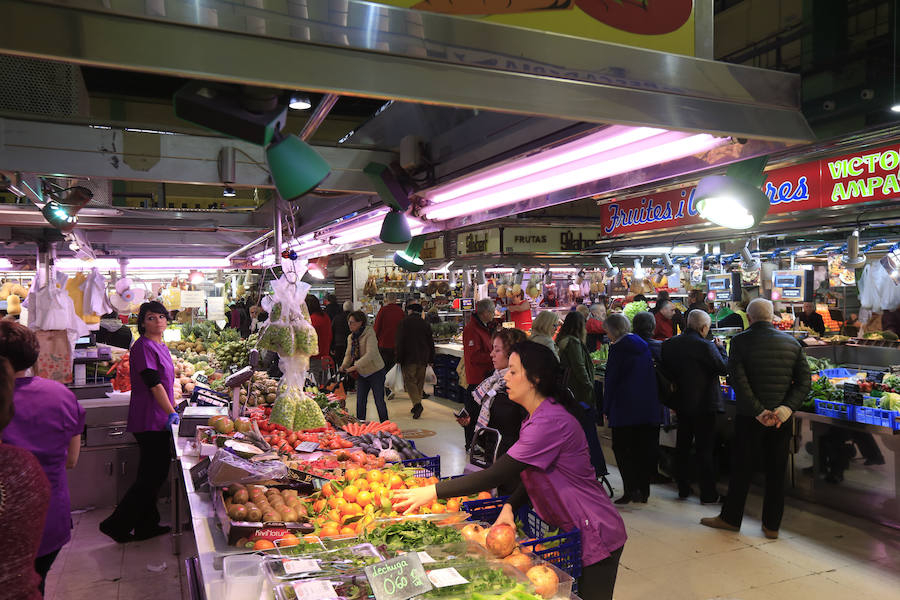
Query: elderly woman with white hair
[[631, 406]]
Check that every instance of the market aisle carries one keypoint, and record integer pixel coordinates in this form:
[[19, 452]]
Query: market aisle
[[93, 567]]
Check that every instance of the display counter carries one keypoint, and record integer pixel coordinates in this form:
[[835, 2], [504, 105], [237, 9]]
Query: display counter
[[450, 349]]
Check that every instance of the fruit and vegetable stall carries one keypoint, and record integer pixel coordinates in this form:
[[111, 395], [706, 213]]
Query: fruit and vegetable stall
[[304, 493]]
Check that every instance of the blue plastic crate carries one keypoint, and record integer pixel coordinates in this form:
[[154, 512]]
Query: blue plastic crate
[[876, 416], [484, 510], [838, 410], [566, 552], [838, 373], [430, 466]]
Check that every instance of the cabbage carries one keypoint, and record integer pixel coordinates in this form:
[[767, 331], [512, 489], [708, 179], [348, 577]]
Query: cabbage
[[633, 308]]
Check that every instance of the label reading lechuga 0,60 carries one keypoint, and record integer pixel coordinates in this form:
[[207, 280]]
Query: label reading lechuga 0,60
[[398, 578]]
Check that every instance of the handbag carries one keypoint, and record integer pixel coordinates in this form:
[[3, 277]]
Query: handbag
[[665, 388]]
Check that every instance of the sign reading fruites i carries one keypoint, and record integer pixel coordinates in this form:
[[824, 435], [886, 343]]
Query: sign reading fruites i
[[398, 578]]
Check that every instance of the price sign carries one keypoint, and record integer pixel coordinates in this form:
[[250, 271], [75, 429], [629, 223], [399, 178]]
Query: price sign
[[200, 377], [399, 578], [304, 565], [314, 590], [193, 299], [446, 577], [307, 447], [215, 308], [200, 475]]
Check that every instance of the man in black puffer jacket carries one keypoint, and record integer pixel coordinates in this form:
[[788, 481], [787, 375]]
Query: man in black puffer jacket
[[771, 378]]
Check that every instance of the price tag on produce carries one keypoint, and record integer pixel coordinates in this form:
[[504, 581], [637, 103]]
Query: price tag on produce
[[200, 377], [425, 557], [314, 590], [215, 308], [193, 299], [446, 577], [399, 578], [301, 565], [307, 447], [200, 475]]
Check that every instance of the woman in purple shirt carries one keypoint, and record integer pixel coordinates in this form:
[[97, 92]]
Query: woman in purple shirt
[[552, 459], [151, 415], [48, 422]]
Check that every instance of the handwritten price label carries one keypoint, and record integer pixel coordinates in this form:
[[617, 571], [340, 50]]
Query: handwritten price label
[[399, 578]]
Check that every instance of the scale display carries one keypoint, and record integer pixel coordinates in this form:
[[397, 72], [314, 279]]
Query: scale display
[[723, 288], [792, 286]]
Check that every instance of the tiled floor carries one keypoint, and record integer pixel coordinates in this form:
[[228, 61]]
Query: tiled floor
[[821, 553]]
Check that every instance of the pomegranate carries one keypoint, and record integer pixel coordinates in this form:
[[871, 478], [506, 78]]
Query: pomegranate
[[519, 561], [544, 580], [501, 540], [474, 533]]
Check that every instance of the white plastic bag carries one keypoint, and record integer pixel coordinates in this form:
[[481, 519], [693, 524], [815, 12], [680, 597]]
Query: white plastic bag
[[394, 379], [430, 377]]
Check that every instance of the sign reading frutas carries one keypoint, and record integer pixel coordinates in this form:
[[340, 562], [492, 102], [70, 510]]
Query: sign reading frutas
[[398, 578], [549, 239]]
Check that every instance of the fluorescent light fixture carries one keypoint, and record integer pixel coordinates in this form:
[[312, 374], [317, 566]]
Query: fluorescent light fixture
[[896, 108], [418, 282], [569, 165], [112, 264], [563, 270], [453, 280], [315, 270], [671, 250], [229, 192], [196, 277], [5, 264], [735, 200]]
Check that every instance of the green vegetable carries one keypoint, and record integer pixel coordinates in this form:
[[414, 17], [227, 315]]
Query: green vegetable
[[483, 579], [822, 389], [890, 401], [285, 410], [819, 364], [412, 535], [309, 415], [633, 308]]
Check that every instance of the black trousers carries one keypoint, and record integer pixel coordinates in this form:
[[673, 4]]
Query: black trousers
[[42, 565], [589, 425], [137, 511], [598, 580], [636, 448], [697, 430], [753, 440]]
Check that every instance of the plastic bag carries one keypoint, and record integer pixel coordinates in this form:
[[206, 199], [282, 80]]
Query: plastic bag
[[394, 379], [227, 468], [430, 377], [288, 330]]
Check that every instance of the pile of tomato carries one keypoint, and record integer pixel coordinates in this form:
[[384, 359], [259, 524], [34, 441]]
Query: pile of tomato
[[283, 439]]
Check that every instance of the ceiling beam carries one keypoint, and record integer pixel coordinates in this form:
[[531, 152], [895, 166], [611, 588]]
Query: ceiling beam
[[93, 151], [363, 49]]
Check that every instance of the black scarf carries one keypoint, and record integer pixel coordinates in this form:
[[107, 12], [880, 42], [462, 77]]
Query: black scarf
[[354, 344]]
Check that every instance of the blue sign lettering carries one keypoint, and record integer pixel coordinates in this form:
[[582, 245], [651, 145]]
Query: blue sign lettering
[[787, 191]]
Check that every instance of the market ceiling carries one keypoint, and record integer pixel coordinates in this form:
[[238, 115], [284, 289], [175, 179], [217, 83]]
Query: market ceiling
[[472, 113]]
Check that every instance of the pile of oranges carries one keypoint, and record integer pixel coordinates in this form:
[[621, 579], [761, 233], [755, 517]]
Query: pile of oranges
[[344, 507]]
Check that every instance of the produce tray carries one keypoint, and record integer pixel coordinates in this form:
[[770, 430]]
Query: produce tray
[[347, 586], [430, 466], [877, 416], [839, 373], [344, 561], [838, 410]]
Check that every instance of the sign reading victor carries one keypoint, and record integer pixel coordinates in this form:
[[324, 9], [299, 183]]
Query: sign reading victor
[[484, 241], [398, 578], [549, 239], [861, 177]]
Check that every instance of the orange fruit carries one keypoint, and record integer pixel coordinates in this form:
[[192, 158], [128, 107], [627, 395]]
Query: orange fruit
[[288, 540], [334, 515], [373, 476], [484, 495], [319, 505], [364, 498], [437, 507], [351, 509], [350, 493], [453, 505], [352, 474], [330, 529], [327, 491], [310, 539], [346, 530], [361, 484], [263, 545], [394, 482]]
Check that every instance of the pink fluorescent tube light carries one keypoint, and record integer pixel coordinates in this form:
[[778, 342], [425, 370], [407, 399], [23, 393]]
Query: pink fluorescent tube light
[[610, 138], [112, 264], [654, 149]]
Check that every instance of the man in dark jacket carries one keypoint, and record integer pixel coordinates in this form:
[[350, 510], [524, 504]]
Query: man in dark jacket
[[340, 331], [694, 365], [631, 406], [332, 308], [415, 351], [812, 319], [771, 379], [386, 323]]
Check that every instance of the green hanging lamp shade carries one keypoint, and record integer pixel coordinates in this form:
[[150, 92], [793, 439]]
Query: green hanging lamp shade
[[295, 166], [395, 229], [409, 259]]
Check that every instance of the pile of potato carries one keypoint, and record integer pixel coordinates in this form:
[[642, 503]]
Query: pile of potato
[[263, 390]]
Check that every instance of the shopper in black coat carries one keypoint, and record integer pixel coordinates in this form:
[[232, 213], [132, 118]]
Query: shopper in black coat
[[770, 377], [694, 365], [340, 331], [414, 348]]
